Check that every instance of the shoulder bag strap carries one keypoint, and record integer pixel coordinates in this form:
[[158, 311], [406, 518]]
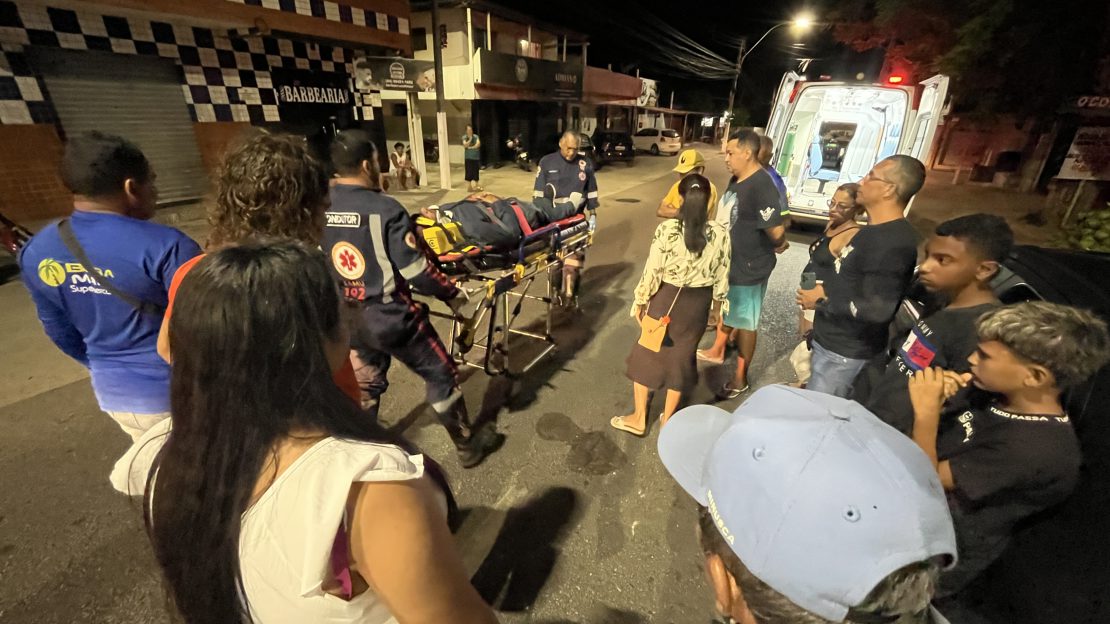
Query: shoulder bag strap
[[65, 230]]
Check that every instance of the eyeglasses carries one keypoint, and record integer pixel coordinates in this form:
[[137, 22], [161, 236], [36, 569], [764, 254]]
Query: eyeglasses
[[868, 176], [841, 205]]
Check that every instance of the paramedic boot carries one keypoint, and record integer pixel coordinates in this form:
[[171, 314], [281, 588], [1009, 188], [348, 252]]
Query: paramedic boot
[[473, 444], [482, 443]]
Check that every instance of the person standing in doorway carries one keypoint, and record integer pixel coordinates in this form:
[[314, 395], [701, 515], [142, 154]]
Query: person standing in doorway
[[472, 157], [873, 273], [756, 234], [99, 278]]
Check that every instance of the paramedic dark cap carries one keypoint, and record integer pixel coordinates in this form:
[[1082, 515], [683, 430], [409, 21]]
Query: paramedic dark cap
[[350, 148], [819, 498]]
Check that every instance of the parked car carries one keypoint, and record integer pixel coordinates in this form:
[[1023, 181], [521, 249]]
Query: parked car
[[1054, 571], [657, 141], [614, 147]]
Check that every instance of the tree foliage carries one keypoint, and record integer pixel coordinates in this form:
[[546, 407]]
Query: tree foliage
[[1004, 56]]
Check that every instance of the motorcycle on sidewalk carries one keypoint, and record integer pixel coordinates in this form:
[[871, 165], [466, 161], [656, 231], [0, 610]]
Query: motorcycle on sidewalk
[[520, 155]]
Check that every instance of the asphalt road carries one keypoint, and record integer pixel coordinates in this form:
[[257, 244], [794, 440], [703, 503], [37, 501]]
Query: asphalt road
[[570, 522]]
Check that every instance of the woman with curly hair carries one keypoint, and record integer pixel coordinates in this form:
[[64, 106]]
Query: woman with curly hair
[[267, 186]]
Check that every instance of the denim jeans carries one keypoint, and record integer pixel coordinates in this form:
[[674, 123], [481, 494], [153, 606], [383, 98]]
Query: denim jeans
[[832, 373]]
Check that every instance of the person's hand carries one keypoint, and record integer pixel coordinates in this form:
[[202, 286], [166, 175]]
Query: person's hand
[[807, 299], [714, 316], [783, 247], [954, 382], [640, 312], [929, 388]]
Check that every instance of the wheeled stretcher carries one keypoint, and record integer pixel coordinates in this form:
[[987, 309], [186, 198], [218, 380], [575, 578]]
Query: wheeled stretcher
[[499, 281]]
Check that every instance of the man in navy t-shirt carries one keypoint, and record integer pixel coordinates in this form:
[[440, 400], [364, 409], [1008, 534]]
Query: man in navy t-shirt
[[114, 195]]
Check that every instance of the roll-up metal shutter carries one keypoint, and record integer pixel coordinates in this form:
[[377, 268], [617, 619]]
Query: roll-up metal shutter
[[137, 97]]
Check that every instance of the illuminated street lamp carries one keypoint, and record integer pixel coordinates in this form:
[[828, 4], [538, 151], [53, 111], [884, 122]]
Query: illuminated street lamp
[[800, 24]]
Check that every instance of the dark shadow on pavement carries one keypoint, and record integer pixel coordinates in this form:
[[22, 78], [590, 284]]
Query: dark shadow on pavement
[[524, 554], [573, 331]]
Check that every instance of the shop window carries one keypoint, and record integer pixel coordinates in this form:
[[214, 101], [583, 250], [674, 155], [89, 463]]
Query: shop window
[[419, 39]]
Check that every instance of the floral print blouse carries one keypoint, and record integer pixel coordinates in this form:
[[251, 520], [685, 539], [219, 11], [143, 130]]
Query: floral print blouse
[[669, 261]]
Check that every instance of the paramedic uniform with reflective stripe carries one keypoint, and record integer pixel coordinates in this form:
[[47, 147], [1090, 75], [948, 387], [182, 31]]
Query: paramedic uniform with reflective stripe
[[372, 245], [559, 179]]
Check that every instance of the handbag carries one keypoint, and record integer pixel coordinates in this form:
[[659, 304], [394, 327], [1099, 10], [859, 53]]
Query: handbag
[[653, 331]]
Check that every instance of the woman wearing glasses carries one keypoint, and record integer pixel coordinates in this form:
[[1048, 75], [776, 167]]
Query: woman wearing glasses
[[823, 252]]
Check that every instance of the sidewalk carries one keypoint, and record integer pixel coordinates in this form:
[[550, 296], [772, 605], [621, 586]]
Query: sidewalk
[[940, 200]]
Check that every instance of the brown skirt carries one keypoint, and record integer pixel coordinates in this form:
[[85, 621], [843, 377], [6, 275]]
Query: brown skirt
[[675, 367]]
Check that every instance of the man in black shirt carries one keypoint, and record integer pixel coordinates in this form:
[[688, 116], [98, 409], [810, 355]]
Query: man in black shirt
[[872, 274], [960, 261], [754, 209], [1004, 447], [372, 244]]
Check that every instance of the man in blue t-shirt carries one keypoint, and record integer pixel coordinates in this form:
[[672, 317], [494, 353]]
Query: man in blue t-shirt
[[81, 307], [766, 151]]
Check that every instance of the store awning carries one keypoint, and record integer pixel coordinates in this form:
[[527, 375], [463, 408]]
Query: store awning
[[601, 86], [674, 111]]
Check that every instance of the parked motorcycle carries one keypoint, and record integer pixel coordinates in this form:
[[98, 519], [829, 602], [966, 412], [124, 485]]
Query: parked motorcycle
[[520, 154], [12, 235]]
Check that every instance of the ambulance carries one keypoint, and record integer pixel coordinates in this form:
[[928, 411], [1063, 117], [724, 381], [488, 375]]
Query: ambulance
[[828, 133]]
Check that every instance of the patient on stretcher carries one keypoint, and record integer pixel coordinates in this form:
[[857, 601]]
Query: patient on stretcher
[[486, 221]]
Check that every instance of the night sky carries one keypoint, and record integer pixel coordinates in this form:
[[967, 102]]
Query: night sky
[[716, 25]]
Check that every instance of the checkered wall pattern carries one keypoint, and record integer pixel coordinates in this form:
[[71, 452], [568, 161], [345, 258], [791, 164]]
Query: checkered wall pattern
[[334, 12], [223, 79]]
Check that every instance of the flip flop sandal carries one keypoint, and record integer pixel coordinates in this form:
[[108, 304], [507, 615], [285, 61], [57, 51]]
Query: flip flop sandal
[[617, 422], [705, 358], [727, 393]]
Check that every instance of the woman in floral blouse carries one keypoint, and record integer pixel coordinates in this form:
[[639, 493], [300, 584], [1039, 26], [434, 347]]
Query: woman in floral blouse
[[686, 273]]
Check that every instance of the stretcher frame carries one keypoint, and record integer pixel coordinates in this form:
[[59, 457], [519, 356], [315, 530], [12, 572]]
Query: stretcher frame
[[488, 327]]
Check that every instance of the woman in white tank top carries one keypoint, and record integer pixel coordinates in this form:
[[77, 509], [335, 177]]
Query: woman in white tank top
[[274, 499]]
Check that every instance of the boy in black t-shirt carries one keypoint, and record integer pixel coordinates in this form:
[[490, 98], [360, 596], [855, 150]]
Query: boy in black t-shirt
[[1004, 447], [961, 259]]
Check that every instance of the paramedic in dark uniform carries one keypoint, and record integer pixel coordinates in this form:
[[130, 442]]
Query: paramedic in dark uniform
[[372, 244], [563, 176]]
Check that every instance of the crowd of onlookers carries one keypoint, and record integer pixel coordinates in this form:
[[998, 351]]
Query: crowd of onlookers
[[926, 423], [814, 508]]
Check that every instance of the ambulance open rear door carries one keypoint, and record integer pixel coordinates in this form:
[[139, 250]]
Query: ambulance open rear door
[[930, 109], [780, 114]]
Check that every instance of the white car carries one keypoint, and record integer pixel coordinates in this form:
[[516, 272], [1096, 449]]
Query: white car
[[657, 141]]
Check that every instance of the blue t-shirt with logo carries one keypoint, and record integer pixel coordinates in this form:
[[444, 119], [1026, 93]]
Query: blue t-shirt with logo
[[116, 341]]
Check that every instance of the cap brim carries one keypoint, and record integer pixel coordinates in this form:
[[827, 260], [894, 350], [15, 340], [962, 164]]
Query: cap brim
[[686, 442]]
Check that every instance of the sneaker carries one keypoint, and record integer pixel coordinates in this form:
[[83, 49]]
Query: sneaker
[[483, 443]]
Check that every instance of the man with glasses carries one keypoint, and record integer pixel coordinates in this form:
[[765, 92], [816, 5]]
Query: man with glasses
[[872, 274]]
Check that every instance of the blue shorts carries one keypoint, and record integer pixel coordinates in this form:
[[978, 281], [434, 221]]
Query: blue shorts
[[745, 305]]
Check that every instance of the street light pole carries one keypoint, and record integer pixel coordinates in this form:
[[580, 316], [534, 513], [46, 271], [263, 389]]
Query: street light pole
[[441, 115], [802, 23], [732, 93]]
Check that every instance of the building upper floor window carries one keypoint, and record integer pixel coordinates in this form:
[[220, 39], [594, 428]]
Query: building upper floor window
[[419, 39]]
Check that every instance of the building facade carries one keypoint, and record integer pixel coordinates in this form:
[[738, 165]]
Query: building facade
[[180, 79]]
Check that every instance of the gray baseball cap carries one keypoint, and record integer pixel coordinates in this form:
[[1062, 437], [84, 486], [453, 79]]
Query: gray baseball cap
[[819, 498]]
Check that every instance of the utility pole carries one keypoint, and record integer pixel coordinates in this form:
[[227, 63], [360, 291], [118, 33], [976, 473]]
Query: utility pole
[[732, 93], [441, 115]]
